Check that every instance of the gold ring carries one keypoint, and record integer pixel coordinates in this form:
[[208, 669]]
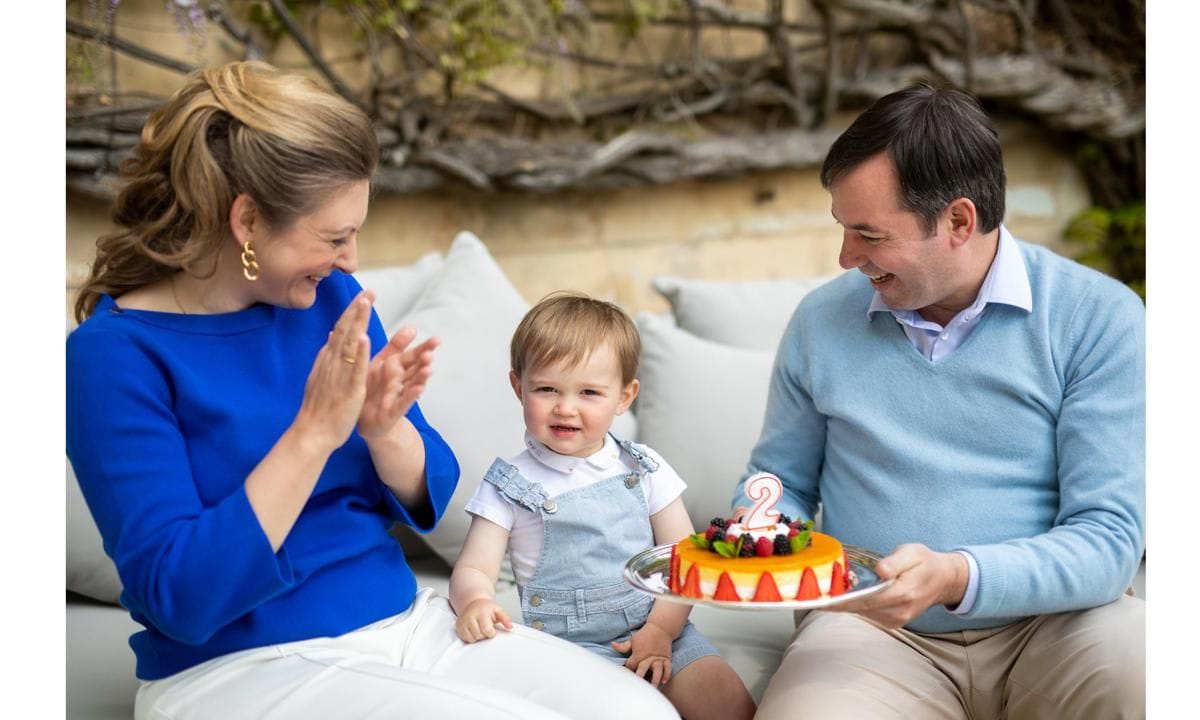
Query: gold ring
[[349, 359]]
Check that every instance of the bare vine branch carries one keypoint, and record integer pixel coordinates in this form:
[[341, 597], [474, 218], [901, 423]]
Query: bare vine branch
[[293, 28], [659, 112], [131, 49]]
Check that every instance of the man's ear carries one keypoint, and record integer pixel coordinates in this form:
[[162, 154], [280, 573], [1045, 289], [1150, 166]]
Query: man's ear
[[515, 380], [244, 218], [961, 216], [628, 394]]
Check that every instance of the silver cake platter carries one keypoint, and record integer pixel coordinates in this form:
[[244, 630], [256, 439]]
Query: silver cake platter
[[647, 572]]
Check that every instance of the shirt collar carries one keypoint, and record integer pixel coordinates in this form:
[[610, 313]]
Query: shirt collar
[[1007, 282], [602, 459]]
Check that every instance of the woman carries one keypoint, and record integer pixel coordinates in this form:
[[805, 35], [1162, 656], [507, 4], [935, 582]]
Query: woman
[[244, 435]]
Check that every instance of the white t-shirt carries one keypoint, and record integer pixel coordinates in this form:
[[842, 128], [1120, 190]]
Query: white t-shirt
[[557, 474]]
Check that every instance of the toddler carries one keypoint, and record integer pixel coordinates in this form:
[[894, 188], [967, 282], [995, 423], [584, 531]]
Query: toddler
[[577, 503]]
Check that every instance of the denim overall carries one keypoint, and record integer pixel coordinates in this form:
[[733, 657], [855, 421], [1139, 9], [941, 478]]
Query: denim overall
[[577, 591]]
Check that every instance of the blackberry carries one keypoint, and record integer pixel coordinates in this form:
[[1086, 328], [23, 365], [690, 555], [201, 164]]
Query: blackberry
[[784, 519], [747, 547], [719, 522], [718, 535], [782, 545]]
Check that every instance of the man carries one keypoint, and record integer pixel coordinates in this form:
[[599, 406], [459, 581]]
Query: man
[[971, 407]]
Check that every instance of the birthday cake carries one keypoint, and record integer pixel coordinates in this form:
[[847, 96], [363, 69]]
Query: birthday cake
[[766, 557]]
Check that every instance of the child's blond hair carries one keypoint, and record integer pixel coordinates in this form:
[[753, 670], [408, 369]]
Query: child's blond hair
[[569, 326]]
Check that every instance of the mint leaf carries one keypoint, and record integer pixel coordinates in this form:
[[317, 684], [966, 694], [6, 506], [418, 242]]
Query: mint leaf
[[801, 541], [725, 549], [699, 541]]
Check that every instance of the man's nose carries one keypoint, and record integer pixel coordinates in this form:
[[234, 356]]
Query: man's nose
[[851, 255]]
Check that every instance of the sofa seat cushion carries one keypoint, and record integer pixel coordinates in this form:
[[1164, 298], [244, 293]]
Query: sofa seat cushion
[[100, 680]]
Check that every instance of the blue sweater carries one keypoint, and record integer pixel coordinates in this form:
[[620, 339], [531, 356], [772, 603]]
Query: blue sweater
[[166, 416], [1025, 447]]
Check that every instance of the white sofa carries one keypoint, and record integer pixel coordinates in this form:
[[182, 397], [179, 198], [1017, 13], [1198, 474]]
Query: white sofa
[[704, 382], [704, 374]]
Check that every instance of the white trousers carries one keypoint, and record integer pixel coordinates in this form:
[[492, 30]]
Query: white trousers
[[411, 665]]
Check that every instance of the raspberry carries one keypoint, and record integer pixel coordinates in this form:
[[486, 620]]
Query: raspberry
[[793, 532], [711, 532], [763, 547], [719, 522], [782, 546], [747, 548]]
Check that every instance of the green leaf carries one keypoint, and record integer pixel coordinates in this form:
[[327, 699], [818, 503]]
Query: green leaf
[[799, 542], [699, 541], [724, 549]]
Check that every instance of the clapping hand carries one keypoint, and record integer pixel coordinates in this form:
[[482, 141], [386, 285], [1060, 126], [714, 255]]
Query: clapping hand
[[336, 385], [395, 379]]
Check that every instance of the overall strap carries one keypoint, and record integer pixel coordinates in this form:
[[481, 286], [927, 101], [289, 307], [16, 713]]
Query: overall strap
[[637, 452], [514, 487]]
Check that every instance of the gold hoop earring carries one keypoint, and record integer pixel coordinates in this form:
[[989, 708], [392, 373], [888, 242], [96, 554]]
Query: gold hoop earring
[[249, 262]]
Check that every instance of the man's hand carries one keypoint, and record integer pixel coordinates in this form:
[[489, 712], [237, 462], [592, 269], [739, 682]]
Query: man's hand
[[649, 652], [922, 579], [479, 620]]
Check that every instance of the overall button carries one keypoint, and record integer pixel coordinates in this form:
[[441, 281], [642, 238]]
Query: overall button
[[537, 625], [535, 600], [631, 481], [550, 506]]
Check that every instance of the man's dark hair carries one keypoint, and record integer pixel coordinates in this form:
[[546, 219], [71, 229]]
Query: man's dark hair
[[941, 144]]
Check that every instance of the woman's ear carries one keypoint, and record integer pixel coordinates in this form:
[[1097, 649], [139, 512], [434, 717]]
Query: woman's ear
[[628, 394], [244, 218]]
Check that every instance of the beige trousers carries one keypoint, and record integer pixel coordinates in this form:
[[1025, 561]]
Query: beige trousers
[[1088, 664]]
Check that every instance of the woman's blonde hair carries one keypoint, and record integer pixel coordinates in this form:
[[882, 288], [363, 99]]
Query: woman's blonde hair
[[567, 327], [243, 127]]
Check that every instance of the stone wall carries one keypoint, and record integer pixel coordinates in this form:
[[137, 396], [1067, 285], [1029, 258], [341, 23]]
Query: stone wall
[[611, 244]]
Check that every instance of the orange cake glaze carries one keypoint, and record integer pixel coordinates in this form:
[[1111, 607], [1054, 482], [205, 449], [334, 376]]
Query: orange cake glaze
[[818, 570]]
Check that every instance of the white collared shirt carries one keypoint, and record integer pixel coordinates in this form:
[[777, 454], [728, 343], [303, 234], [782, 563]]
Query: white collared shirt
[[1006, 282], [558, 474]]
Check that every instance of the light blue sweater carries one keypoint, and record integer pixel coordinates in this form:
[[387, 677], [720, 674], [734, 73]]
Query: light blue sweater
[[1024, 447]]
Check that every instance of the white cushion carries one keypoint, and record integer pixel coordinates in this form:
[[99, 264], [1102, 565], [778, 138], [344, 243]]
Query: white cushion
[[397, 288], [701, 407], [89, 570], [473, 309], [747, 314]]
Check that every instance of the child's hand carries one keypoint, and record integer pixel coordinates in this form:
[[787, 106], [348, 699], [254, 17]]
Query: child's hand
[[478, 621], [649, 653]]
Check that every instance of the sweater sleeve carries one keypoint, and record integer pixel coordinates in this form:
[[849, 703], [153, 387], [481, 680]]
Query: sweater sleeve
[[791, 445], [187, 566], [441, 476], [1091, 554]]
